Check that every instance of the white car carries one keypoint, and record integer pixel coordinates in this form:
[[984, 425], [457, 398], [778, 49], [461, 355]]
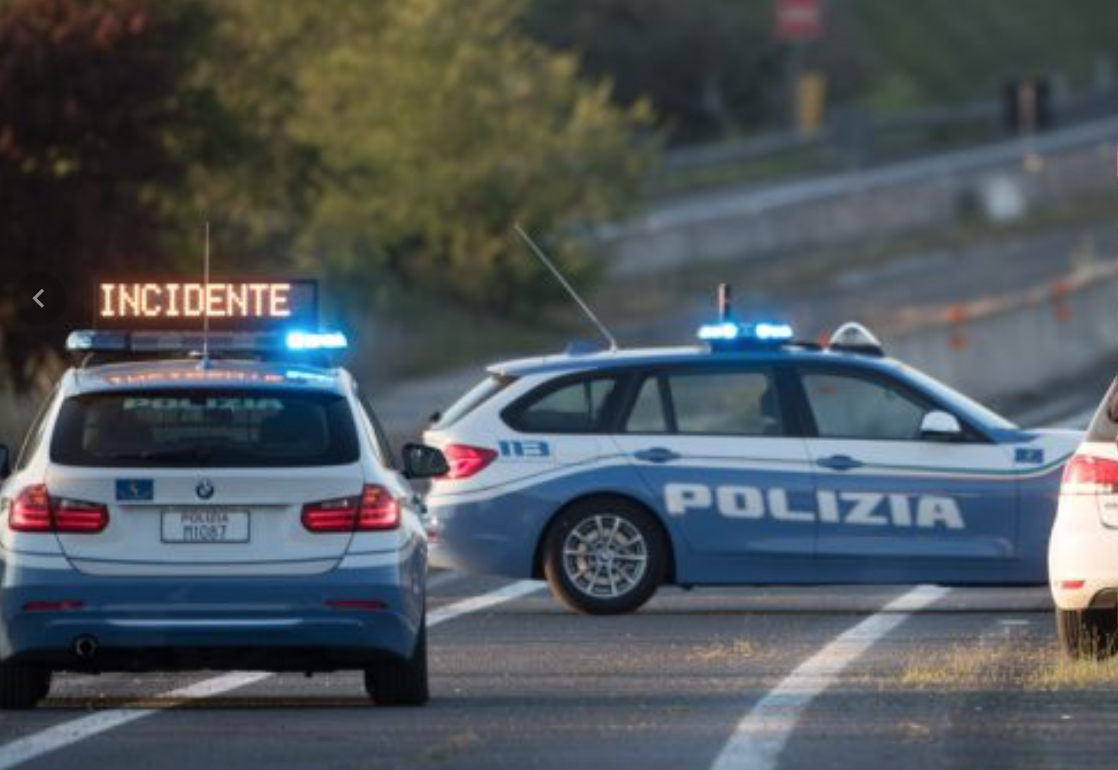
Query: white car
[[1083, 550], [242, 512]]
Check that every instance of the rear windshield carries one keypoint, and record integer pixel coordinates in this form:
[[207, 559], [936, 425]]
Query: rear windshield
[[230, 428]]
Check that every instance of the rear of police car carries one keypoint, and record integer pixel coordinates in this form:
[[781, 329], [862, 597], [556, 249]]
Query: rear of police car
[[209, 514], [1083, 550]]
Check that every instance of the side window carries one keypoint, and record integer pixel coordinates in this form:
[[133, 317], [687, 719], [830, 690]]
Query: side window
[[36, 433], [846, 406], [647, 414], [725, 403], [576, 407]]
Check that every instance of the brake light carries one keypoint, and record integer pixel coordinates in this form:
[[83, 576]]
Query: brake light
[[33, 510], [466, 461], [1088, 475], [79, 517], [30, 511], [375, 510], [379, 510], [338, 515]]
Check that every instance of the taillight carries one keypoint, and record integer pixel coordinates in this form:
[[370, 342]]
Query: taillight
[[376, 509], [379, 510], [1088, 475], [338, 515], [30, 511], [79, 517], [466, 461], [33, 510]]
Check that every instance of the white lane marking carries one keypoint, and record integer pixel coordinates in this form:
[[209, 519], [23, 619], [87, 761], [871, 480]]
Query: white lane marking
[[482, 602], [68, 733], [761, 735]]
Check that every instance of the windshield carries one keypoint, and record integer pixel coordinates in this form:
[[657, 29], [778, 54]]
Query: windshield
[[229, 428], [958, 402]]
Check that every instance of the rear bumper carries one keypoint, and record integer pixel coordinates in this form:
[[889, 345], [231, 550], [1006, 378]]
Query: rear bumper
[[1082, 555], [268, 623]]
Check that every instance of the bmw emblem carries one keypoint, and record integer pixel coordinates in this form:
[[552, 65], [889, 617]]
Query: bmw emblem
[[205, 489]]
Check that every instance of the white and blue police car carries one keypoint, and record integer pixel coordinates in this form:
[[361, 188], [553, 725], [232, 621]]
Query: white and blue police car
[[750, 459], [237, 509]]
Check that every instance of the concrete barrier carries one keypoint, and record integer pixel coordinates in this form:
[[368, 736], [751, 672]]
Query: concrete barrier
[[1016, 345]]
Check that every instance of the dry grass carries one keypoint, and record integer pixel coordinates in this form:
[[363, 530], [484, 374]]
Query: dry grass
[[724, 651], [1003, 665]]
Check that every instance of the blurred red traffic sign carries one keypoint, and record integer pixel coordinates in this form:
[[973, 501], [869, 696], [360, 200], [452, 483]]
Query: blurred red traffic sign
[[799, 20]]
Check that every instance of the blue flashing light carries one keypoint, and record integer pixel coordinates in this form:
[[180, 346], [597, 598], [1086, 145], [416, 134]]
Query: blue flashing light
[[89, 341], [768, 330], [745, 333], [723, 331], [299, 340]]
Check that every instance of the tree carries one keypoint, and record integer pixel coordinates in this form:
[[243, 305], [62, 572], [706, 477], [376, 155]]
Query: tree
[[709, 67], [91, 117], [435, 126]]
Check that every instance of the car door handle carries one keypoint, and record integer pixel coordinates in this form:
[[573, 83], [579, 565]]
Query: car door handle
[[657, 454], [839, 463]]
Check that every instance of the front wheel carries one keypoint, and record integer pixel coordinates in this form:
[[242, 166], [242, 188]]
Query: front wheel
[[605, 556], [1088, 634], [395, 682], [22, 687]]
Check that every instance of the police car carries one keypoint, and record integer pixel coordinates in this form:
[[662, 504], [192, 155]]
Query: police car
[[748, 459], [235, 508], [1083, 552]]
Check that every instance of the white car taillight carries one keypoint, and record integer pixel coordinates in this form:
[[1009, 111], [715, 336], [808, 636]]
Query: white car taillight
[[1097, 477], [34, 510]]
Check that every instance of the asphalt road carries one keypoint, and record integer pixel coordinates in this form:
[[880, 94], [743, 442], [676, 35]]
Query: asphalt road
[[818, 678]]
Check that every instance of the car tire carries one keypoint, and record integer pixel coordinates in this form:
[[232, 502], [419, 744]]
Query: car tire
[[396, 682], [1088, 634], [605, 578], [22, 687]]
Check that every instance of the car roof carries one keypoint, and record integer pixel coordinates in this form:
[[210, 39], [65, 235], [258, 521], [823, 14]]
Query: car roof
[[221, 373], [606, 359]]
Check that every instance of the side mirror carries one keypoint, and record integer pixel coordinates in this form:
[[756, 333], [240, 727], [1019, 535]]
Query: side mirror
[[5, 462], [940, 426], [423, 462]]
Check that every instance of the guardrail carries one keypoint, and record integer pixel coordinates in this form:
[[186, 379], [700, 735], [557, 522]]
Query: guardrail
[[741, 224]]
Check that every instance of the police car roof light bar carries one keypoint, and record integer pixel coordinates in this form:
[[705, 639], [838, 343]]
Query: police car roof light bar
[[729, 333], [563, 282]]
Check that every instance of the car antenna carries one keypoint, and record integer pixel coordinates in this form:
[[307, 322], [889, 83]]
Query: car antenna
[[563, 282], [206, 300]]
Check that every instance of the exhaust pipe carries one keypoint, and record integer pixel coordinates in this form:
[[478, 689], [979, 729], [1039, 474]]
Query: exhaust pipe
[[85, 647]]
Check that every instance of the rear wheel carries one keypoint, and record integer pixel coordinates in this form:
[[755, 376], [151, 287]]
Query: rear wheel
[[1088, 634], [395, 682], [605, 556], [22, 687]]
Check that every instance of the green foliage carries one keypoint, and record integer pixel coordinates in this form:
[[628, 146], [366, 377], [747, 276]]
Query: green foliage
[[713, 69], [435, 125], [710, 67], [387, 145]]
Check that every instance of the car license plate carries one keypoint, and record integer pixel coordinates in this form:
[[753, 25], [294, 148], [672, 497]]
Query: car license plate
[[205, 525]]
